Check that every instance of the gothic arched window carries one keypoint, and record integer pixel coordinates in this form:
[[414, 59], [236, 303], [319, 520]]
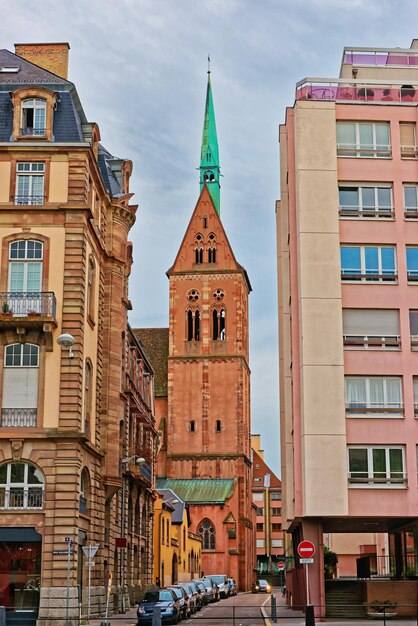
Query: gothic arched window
[[218, 325], [193, 325], [208, 533]]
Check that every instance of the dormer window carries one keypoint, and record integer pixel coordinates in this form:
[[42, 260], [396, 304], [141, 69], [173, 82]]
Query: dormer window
[[33, 117]]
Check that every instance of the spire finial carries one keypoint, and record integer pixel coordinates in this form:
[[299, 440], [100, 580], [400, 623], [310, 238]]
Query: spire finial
[[208, 63]]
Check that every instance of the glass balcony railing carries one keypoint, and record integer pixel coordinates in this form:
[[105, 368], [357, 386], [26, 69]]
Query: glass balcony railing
[[354, 91], [381, 58]]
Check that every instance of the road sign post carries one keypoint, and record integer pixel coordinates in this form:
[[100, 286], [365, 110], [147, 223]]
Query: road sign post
[[67, 603], [89, 552], [306, 550]]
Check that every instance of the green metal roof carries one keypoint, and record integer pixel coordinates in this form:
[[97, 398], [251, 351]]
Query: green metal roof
[[200, 490]]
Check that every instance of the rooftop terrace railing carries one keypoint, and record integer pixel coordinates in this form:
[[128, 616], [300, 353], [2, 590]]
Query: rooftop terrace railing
[[355, 91], [381, 58]]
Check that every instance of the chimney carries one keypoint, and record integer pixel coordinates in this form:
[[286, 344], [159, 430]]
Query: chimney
[[50, 56]]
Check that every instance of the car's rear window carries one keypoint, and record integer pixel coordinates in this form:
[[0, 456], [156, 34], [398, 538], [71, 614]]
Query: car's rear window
[[218, 579], [158, 596], [177, 591]]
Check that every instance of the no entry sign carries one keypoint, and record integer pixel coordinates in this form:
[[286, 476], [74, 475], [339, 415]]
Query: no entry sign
[[306, 549], [280, 564]]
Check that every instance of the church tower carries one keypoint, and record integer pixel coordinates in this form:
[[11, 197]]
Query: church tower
[[207, 451]]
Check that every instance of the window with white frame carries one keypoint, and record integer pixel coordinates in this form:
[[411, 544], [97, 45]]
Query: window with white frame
[[258, 496], [363, 139], [25, 277], [277, 543], [412, 263], [368, 263], [275, 496], [410, 200], [373, 395], [30, 178], [376, 465], [415, 385], [365, 200], [259, 543], [413, 328], [21, 486], [20, 385], [33, 117], [371, 329]]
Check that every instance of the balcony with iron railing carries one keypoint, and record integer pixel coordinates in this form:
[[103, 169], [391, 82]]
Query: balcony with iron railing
[[18, 418], [28, 200], [372, 342], [370, 276], [375, 409], [30, 131], [21, 498], [356, 91], [355, 211], [394, 478], [29, 308]]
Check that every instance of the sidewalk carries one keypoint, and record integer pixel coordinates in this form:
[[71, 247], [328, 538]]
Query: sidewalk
[[291, 617], [125, 619]]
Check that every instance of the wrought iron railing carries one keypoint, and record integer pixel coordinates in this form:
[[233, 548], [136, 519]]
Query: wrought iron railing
[[21, 498], [372, 342], [370, 276], [29, 131], [18, 418], [27, 200], [379, 478], [28, 304], [366, 212], [401, 566]]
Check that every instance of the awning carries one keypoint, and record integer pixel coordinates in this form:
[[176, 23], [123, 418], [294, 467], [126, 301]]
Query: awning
[[19, 534]]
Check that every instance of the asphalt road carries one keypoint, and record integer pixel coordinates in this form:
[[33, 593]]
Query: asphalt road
[[241, 610]]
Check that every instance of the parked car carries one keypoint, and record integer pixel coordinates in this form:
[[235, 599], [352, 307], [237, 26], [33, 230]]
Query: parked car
[[222, 582], [232, 587], [183, 599], [193, 595], [210, 588], [199, 599], [203, 593], [168, 602], [261, 586]]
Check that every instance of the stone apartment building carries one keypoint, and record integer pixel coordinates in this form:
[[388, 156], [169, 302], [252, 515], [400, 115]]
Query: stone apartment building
[[77, 434]]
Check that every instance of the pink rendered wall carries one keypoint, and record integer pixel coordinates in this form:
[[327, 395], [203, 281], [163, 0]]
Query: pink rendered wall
[[400, 296]]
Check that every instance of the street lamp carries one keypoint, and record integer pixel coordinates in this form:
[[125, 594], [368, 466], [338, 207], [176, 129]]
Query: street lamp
[[139, 460]]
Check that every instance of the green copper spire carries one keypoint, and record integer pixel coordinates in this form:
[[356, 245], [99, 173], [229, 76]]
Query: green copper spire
[[209, 158]]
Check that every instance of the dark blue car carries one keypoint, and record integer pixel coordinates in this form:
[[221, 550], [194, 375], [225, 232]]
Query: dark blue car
[[168, 602]]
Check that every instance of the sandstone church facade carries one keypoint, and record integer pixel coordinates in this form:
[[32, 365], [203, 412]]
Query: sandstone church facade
[[204, 411]]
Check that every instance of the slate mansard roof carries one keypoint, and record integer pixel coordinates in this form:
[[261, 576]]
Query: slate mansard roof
[[69, 116]]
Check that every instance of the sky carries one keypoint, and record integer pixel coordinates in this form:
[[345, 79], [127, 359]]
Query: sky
[[140, 70]]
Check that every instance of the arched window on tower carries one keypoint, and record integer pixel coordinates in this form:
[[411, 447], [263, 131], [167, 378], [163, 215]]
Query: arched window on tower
[[218, 325], [211, 255], [208, 533], [198, 249], [193, 325]]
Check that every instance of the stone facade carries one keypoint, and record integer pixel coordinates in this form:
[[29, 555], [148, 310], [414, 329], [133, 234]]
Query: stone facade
[[77, 434]]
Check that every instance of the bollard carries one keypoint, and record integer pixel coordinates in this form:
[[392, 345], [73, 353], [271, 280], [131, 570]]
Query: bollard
[[2, 616], [273, 609], [156, 616], [309, 615]]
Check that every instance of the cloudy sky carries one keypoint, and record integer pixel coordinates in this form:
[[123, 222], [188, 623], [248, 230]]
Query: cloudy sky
[[140, 70]]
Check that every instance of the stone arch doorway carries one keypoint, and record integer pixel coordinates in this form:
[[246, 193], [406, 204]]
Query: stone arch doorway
[[174, 569]]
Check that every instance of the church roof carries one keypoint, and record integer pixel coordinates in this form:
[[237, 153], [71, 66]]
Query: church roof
[[155, 343], [200, 490]]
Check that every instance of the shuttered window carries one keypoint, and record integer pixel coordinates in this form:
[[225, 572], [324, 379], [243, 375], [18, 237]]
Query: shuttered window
[[20, 385], [407, 132], [371, 328]]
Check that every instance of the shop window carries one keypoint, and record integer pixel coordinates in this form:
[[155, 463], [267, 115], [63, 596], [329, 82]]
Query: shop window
[[21, 486]]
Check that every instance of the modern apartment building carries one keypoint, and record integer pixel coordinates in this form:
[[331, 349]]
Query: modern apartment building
[[77, 428], [347, 231], [267, 497]]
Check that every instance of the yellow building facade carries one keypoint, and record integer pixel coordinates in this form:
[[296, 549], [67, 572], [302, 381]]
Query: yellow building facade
[[177, 551]]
